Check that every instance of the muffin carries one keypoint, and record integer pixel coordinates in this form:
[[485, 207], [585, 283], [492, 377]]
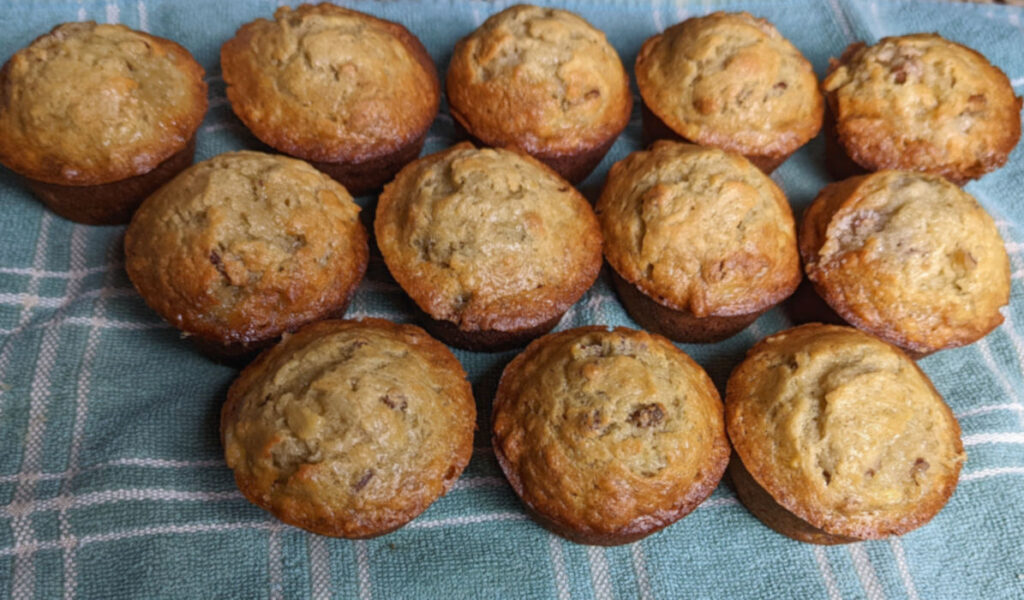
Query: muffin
[[909, 257], [919, 103], [245, 246], [839, 437], [544, 81], [729, 80], [349, 428], [491, 245], [700, 241], [608, 436], [351, 93], [97, 117]]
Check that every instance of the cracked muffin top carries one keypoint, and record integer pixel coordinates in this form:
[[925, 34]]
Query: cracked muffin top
[[488, 239], [245, 246], [88, 104], [730, 80], [699, 229], [608, 435], [327, 83], [349, 428], [541, 79], [923, 103], [844, 431], [909, 257]]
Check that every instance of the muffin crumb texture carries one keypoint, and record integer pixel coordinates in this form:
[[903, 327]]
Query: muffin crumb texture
[[488, 239], [699, 230], [609, 433], [327, 83], [245, 246], [844, 431], [730, 80], [350, 428], [909, 257], [88, 104], [923, 103], [541, 79]]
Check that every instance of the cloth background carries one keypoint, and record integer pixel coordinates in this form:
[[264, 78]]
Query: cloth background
[[112, 481]]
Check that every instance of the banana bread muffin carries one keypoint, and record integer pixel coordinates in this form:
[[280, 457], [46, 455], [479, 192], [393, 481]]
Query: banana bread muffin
[[729, 80], [608, 436], [97, 117], [349, 428], [920, 103], [909, 257], [491, 245], [699, 240], [839, 437], [351, 93], [542, 80], [245, 246]]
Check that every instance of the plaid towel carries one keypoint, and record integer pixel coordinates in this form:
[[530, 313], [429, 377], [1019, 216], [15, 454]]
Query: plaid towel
[[112, 481]]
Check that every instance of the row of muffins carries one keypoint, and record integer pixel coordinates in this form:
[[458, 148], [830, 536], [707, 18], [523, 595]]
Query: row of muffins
[[97, 117], [353, 428], [493, 247], [248, 258]]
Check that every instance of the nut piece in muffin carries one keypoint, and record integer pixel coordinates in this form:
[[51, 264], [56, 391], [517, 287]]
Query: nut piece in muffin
[[700, 241], [920, 103], [729, 80], [97, 117], [245, 246], [351, 93], [608, 436], [909, 257], [839, 436], [349, 428], [542, 80], [492, 245]]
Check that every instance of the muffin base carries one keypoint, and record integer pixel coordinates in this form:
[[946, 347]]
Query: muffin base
[[677, 325], [588, 538], [655, 129], [841, 166], [759, 502], [574, 168], [838, 163], [808, 305], [111, 203], [239, 354], [487, 340], [364, 177]]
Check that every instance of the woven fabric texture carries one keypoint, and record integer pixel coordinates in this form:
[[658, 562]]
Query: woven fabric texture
[[112, 478]]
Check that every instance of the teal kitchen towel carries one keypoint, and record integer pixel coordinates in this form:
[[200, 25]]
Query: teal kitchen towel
[[112, 480]]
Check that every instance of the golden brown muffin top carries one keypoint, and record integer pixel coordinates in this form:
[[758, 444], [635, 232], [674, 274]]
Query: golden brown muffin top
[[730, 80], [923, 103], [488, 239], [349, 428], [699, 229], [609, 433], [541, 79], [909, 257], [330, 84], [88, 104], [843, 430], [246, 245]]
